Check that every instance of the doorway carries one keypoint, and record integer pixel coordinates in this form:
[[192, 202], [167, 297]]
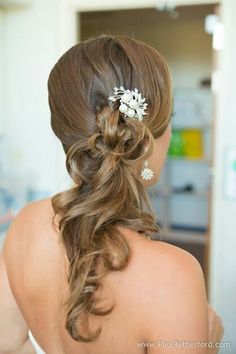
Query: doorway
[[182, 198]]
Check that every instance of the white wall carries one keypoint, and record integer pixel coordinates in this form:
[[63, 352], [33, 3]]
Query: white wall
[[223, 239], [33, 40], [2, 62]]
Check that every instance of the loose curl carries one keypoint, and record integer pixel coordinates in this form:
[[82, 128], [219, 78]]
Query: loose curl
[[103, 153]]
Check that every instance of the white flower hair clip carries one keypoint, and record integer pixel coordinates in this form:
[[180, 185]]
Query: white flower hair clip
[[131, 102]]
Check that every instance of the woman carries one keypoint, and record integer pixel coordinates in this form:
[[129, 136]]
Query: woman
[[82, 269]]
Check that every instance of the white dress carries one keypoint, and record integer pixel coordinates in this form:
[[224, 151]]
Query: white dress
[[35, 344]]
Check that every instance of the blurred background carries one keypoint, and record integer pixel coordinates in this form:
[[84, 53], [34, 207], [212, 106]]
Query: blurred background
[[195, 200]]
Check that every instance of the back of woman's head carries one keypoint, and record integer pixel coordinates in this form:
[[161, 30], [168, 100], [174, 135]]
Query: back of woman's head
[[103, 151]]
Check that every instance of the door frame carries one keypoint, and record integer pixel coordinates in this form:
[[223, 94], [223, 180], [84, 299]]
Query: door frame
[[70, 35], [70, 10]]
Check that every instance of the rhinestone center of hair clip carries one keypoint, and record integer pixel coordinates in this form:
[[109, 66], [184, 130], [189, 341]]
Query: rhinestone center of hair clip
[[132, 104]]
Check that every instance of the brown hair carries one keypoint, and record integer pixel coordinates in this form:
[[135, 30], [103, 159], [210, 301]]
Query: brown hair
[[103, 150]]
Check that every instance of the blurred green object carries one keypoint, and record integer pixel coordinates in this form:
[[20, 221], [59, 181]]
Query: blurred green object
[[186, 143], [176, 147]]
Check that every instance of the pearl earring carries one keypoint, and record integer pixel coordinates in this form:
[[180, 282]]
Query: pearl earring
[[146, 172]]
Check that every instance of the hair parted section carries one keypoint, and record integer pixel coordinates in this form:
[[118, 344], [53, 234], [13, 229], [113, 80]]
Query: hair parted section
[[103, 150]]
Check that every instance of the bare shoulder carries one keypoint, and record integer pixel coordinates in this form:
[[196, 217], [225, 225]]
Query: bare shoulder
[[31, 217], [172, 299], [158, 262], [155, 258], [161, 256], [32, 213], [31, 235]]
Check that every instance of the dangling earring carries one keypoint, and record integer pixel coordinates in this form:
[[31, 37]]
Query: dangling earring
[[146, 172]]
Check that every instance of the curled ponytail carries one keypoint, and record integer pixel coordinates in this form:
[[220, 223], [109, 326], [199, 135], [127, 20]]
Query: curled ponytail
[[103, 153]]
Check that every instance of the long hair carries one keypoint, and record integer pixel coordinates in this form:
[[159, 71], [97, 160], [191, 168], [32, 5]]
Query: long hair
[[103, 151]]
